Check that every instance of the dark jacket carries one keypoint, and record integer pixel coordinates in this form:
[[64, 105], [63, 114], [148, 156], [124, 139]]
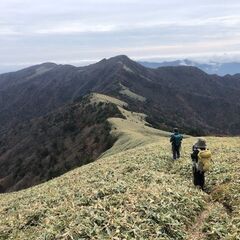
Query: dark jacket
[[198, 176], [194, 155], [176, 139]]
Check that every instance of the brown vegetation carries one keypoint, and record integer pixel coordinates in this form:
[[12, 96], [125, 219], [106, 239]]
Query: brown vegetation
[[43, 148]]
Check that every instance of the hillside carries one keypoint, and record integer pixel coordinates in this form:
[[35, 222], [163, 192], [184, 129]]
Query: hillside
[[211, 67], [133, 191], [126, 186], [206, 104], [135, 194], [130, 131], [35, 151]]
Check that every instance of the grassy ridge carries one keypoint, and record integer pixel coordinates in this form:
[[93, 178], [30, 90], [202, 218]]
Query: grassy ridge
[[132, 194], [136, 194], [132, 131]]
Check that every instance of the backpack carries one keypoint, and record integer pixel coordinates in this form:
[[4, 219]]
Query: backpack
[[177, 139], [204, 160]]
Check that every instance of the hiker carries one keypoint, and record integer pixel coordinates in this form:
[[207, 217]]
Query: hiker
[[201, 157], [176, 140]]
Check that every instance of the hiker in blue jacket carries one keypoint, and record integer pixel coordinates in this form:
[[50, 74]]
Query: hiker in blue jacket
[[176, 140]]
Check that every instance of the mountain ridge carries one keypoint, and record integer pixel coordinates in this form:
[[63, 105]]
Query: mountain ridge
[[133, 190], [33, 94], [212, 67], [135, 193]]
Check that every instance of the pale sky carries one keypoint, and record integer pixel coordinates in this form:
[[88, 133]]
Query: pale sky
[[79, 32]]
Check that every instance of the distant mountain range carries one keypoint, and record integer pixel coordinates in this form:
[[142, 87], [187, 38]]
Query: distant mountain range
[[220, 69], [182, 96]]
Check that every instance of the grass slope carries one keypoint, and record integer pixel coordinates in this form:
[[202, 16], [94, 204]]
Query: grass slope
[[136, 194], [132, 131], [139, 193]]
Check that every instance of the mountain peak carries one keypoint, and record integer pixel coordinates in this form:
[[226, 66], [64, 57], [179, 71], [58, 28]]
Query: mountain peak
[[120, 58], [47, 64]]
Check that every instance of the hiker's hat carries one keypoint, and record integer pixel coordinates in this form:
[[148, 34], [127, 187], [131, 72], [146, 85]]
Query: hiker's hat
[[175, 129], [201, 143]]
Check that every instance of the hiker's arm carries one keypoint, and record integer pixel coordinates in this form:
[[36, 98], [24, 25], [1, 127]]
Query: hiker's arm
[[194, 155], [171, 138]]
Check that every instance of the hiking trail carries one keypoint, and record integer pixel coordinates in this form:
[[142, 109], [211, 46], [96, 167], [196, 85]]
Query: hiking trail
[[195, 231]]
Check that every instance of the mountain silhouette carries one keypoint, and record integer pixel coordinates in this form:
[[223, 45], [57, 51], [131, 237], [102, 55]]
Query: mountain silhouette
[[212, 67], [183, 95]]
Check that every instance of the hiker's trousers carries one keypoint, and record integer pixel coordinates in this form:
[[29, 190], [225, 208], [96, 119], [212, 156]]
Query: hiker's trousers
[[198, 177], [176, 151]]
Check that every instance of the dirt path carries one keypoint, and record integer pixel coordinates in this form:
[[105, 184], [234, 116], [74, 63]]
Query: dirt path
[[195, 231]]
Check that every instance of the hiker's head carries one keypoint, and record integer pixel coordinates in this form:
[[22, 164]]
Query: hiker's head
[[175, 130], [201, 143]]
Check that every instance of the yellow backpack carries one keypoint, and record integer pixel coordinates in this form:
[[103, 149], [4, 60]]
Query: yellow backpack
[[204, 160]]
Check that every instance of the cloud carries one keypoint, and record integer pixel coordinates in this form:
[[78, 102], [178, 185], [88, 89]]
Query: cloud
[[72, 28], [6, 31], [77, 30]]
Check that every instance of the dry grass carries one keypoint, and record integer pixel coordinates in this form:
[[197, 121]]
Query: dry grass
[[129, 93], [133, 194], [97, 97], [132, 131]]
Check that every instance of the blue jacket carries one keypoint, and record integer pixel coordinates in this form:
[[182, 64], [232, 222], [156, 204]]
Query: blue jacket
[[176, 139]]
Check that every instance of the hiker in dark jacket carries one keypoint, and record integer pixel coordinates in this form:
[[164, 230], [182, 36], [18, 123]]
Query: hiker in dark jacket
[[176, 140], [198, 176]]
